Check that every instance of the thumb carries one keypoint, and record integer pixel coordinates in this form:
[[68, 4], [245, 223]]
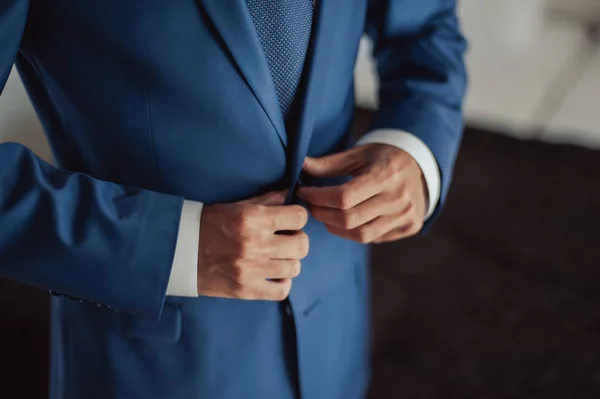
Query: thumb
[[272, 198], [340, 164]]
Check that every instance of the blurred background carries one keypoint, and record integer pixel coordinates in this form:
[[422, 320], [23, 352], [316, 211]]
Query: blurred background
[[502, 298]]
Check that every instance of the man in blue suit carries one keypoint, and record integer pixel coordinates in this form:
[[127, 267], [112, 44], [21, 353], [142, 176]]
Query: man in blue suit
[[202, 151]]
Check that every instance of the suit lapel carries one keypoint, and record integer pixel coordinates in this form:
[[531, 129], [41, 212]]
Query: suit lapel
[[234, 23], [315, 73]]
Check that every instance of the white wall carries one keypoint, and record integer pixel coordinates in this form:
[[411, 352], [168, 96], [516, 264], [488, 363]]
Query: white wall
[[533, 73]]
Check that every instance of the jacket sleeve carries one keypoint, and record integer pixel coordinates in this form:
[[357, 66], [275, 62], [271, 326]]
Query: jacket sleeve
[[419, 51], [72, 234]]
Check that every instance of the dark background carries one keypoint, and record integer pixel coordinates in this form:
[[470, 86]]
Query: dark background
[[500, 300]]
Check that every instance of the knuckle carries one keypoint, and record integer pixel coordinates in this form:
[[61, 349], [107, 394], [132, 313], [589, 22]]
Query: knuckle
[[281, 295], [282, 291], [350, 220], [345, 199], [247, 218], [416, 228], [363, 236], [304, 245], [268, 223], [396, 175], [403, 197], [404, 207], [300, 216], [243, 222], [295, 269], [400, 185]]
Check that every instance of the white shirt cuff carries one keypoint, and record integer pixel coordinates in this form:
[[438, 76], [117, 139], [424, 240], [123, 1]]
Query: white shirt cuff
[[419, 151], [184, 273]]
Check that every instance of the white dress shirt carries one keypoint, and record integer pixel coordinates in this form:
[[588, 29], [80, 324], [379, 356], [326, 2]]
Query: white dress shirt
[[184, 273]]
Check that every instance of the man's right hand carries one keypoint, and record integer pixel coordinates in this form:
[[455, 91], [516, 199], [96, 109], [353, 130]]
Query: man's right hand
[[241, 256]]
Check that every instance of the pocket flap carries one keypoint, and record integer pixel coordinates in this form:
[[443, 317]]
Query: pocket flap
[[167, 329]]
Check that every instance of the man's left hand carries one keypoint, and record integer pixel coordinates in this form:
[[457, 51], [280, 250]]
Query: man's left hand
[[385, 201]]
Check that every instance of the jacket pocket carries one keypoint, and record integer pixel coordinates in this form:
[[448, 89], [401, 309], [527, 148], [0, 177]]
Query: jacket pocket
[[167, 329]]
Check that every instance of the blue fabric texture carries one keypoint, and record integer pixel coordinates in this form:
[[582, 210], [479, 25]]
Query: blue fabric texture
[[147, 103], [284, 28]]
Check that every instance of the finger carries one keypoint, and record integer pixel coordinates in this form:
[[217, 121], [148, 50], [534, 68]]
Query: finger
[[400, 233], [288, 217], [272, 198], [280, 269], [340, 164], [344, 196], [368, 232], [357, 216], [269, 290], [292, 246]]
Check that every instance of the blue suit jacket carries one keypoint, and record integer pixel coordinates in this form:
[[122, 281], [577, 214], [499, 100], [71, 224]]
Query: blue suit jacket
[[148, 102]]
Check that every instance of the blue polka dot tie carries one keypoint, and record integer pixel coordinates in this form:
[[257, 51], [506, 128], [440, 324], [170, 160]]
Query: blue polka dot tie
[[284, 28]]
